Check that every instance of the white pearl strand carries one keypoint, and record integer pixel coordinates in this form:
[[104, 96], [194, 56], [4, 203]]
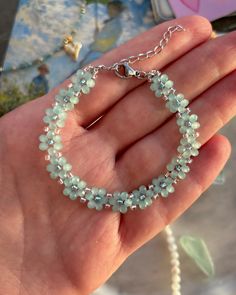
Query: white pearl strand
[[174, 260]]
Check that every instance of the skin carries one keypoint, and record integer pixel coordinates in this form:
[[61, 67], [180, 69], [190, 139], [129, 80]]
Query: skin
[[52, 245]]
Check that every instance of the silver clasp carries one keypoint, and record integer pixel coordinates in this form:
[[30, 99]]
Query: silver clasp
[[124, 71]]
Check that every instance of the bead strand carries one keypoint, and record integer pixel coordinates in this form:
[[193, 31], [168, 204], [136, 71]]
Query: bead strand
[[99, 198], [174, 260]]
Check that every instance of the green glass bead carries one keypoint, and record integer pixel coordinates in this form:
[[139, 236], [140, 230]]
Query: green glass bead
[[124, 195], [53, 175], [49, 112], [46, 119], [174, 174], [164, 78], [181, 175], [148, 202], [123, 209], [149, 193], [91, 205], [170, 189], [89, 196], [62, 116], [51, 134], [57, 138], [102, 192], [169, 84], [85, 89], [57, 109], [67, 167], [164, 193], [58, 146], [74, 99], [91, 83], [158, 93], [73, 197], [62, 174], [82, 184], [170, 166], [142, 189], [154, 87], [196, 145], [186, 154], [66, 192], [43, 138], [43, 146], [136, 193], [128, 202], [194, 152], [50, 167], [193, 118], [142, 205], [195, 125], [52, 151], [94, 190], [60, 123]]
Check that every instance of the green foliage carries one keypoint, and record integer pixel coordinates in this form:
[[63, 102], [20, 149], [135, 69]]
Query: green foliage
[[105, 2], [197, 249], [12, 96]]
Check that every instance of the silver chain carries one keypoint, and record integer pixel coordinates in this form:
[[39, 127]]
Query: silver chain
[[125, 62]]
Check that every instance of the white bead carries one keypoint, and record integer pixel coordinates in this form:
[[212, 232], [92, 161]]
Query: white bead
[[175, 287], [170, 239], [175, 270], [174, 262], [175, 255], [172, 247], [176, 278]]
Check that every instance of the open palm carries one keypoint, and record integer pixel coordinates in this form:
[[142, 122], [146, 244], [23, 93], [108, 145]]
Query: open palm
[[57, 246]]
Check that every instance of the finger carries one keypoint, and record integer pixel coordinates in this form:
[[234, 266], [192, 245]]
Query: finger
[[139, 113], [109, 89], [214, 108], [140, 226]]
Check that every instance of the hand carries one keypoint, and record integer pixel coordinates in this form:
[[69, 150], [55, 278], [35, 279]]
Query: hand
[[52, 245]]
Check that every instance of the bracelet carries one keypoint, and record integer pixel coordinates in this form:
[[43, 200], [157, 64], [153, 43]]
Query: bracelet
[[82, 83]]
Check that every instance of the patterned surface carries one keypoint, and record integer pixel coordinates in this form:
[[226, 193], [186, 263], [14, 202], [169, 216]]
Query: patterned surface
[[41, 25]]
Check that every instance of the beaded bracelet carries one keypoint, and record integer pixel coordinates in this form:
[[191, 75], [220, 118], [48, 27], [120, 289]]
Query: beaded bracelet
[[66, 100]]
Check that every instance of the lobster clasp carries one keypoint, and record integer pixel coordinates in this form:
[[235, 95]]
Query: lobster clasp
[[124, 71]]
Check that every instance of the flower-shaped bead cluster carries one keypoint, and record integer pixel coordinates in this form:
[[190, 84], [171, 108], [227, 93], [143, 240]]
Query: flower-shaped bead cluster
[[188, 149], [142, 197], [54, 118], [51, 139], [178, 168], [66, 98], [188, 123], [161, 85], [58, 167], [74, 187], [96, 198], [83, 81], [163, 185], [176, 103], [120, 202]]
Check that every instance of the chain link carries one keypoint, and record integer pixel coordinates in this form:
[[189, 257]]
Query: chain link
[[141, 56]]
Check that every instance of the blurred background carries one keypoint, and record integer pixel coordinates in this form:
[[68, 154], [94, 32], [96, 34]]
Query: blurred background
[[39, 44]]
